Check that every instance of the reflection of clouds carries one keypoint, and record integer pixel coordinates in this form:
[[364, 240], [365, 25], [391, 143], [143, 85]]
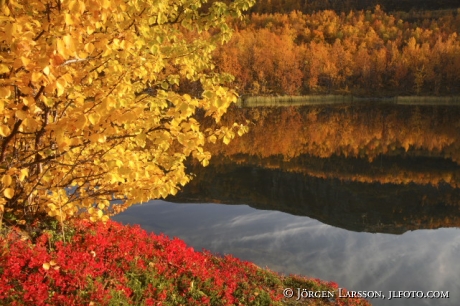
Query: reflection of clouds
[[418, 260], [275, 236], [248, 219]]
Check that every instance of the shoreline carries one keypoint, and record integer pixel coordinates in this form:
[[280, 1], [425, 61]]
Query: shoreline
[[255, 101]]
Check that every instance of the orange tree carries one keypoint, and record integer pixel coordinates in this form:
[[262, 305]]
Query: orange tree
[[92, 102]]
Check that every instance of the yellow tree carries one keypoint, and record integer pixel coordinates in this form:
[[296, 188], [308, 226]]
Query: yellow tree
[[91, 105]]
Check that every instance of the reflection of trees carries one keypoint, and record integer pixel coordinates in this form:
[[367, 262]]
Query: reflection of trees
[[371, 207], [364, 168], [310, 6], [365, 132], [385, 170]]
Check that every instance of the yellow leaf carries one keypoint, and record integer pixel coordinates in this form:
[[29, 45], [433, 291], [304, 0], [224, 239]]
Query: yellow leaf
[[67, 78], [94, 118], [7, 180], [4, 69], [36, 110], [10, 30], [48, 101], [99, 213], [46, 70], [90, 30], [25, 61], [107, 52], [5, 92], [226, 140], [17, 64], [29, 125], [212, 139], [20, 114], [6, 10], [8, 193], [184, 180], [97, 138], [69, 43], [89, 47], [68, 19], [60, 86], [105, 4], [76, 7], [60, 48], [63, 142], [22, 175], [52, 207], [102, 139], [43, 62], [81, 6], [28, 100], [81, 122], [16, 4], [46, 266], [47, 178]]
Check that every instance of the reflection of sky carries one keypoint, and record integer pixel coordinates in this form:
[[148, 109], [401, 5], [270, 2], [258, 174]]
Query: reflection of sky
[[419, 260]]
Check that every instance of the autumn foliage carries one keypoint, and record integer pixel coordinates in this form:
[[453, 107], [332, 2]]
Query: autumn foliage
[[96, 105], [112, 264], [353, 52]]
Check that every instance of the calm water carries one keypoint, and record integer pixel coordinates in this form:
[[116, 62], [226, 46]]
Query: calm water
[[368, 198]]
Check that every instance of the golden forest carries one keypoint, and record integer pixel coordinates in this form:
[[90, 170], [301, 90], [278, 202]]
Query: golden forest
[[364, 53]]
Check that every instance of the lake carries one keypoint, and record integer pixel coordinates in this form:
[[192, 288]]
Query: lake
[[366, 196]]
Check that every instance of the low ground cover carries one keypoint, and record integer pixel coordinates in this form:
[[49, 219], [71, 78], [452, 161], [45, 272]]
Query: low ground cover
[[114, 264]]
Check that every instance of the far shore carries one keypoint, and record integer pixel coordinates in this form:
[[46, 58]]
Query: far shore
[[254, 101]]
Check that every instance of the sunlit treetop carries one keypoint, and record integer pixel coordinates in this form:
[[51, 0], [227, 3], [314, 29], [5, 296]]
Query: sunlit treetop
[[102, 96]]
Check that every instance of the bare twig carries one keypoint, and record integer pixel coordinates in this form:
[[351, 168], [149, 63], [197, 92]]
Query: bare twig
[[76, 60]]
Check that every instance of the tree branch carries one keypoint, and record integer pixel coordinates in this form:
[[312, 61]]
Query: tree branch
[[8, 138], [76, 60]]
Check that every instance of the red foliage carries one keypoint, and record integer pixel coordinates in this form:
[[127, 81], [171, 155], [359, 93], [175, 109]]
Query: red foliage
[[94, 263], [110, 263]]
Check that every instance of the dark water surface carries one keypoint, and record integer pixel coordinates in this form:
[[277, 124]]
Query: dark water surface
[[366, 197]]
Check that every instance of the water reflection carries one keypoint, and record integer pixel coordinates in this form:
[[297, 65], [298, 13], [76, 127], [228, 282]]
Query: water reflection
[[361, 131], [366, 167], [349, 204]]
